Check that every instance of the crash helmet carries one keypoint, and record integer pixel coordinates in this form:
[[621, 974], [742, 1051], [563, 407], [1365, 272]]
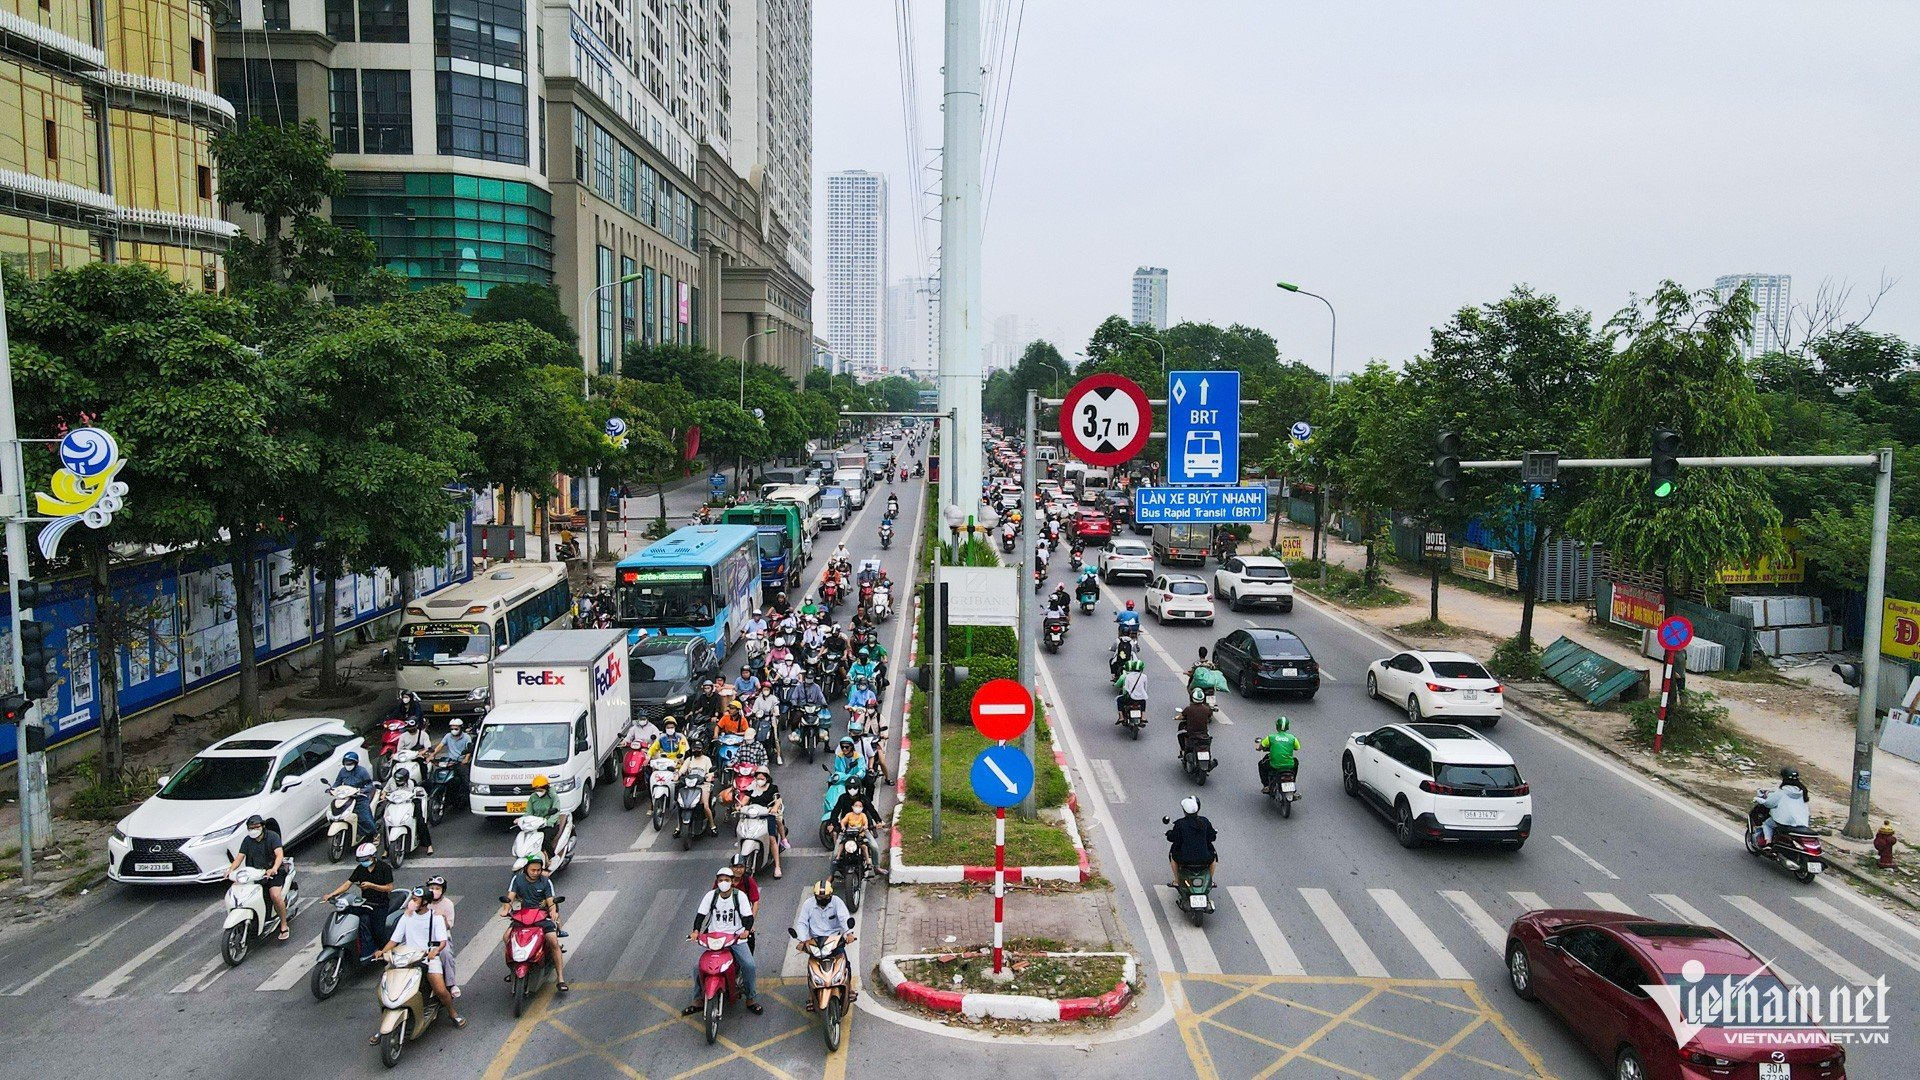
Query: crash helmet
[[350, 758], [855, 726], [539, 782], [823, 890], [367, 850], [1129, 605], [456, 724], [1136, 664], [1190, 804], [1198, 694], [1789, 775], [846, 744], [1281, 723], [668, 723]]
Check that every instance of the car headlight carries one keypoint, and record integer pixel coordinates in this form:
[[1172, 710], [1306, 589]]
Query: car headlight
[[119, 836], [478, 693], [676, 701], [566, 784], [219, 834], [479, 789]]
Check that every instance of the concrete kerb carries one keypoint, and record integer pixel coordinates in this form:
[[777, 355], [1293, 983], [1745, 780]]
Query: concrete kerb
[[1022, 1007]]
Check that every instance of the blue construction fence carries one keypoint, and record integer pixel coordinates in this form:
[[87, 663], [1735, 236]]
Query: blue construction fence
[[192, 632]]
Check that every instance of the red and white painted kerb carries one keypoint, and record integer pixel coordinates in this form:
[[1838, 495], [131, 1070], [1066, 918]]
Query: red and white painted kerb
[[1025, 1007]]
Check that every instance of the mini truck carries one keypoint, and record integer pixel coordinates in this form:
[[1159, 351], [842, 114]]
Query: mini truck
[[561, 700], [782, 533]]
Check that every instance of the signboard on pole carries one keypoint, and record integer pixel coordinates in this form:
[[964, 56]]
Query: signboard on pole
[[1105, 420], [1203, 427], [1636, 605], [1001, 776], [1200, 505], [1001, 709], [1292, 548], [982, 595]]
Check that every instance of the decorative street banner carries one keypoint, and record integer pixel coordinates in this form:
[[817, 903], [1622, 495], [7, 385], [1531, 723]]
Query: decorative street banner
[[84, 488], [1634, 605]]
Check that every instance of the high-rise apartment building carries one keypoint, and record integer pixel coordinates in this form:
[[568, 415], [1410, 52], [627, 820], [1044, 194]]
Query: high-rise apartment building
[[1150, 297], [106, 113], [772, 119], [857, 268], [913, 327], [1772, 308]]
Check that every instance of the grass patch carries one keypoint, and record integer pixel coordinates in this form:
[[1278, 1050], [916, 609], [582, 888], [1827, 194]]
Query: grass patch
[[1480, 585], [109, 802], [1696, 724], [967, 839], [1346, 586], [1427, 628], [1056, 977], [1757, 671], [959, 745]]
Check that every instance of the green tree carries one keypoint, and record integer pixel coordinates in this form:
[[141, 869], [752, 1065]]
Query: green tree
[[728, 432], [536, 305], [1680, 367], [285, 175]]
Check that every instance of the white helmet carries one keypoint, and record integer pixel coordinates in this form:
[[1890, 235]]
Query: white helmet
[[1190, 804]]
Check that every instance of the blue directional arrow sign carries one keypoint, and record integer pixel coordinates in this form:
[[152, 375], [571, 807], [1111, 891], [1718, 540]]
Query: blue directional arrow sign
[[1203, 427], [1001, 775]]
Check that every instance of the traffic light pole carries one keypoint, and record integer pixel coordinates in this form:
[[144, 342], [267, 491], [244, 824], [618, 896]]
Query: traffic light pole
[[1866, 726], [1029, 539], [31, 768]]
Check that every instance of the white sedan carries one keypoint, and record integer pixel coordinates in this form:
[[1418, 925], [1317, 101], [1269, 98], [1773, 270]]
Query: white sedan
[[1438, 685], [1179, 596]]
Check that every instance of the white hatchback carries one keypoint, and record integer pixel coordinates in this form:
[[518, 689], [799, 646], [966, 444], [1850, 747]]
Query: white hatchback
[[1449, 685], [1180, 596]]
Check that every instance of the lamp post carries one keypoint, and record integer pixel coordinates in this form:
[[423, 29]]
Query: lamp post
[[743, 390], [1333, 339], [1056, 375], [1158, 344], [586, 391]]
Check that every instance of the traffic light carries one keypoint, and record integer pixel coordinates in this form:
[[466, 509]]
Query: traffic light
[[1666, 463], [917, 674], [926, 615], [1446, 466], [13, 708], [36, 656]]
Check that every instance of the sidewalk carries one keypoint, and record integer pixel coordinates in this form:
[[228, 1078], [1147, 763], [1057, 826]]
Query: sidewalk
[[1800, 715]]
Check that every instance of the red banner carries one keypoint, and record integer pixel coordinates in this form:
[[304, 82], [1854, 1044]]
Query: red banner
[[1637, 606], [693, 442]]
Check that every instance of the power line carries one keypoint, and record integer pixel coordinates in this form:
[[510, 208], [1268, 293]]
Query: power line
[[910, 119], [1000, 126]]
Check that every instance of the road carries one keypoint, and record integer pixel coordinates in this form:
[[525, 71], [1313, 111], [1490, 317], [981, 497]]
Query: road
[[1334, 951]]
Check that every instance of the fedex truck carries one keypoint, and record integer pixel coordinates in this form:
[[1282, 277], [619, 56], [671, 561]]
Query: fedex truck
[[560, 701]]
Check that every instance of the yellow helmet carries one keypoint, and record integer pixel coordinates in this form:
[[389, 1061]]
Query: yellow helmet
[[540, 781]]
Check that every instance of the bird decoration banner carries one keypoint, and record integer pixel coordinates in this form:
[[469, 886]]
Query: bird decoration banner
[[84, 488]]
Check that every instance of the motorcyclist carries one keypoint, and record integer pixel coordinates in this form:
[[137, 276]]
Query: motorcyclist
[[860, 697], [726, 910], [374, 876], [1281, 748], [670, 744], [863, 667], [697, 761], [1205, 675], [856, 820], [1128, 619], [456, 746], [825, 917], [1786, 805], [849, 770], [531, 887], [355, 775], [400, 788], [641, 733], [416, 738], [543, 804], [1057, 604], [764, 792], [1124, 649], [1191, 840], [746, 684], [841, 554], [765, 714], [1194, 720], [807, 692], [1132, 685]]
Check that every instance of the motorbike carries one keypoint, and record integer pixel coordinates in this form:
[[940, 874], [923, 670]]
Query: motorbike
[[850, 867], [1795, 847], [882, 605], [829, 977], [1285, 790], [660, 777], [691, 787], [439, 788], [1134, 717], [340, 944], [1056, 634], [1197, 759], [390, 731], [1075, 560], [886, 537], [719, 978], [1130, 630], [810, 731], [397, 827], [633, 766], [1088, 598], [343, 821], [409, 761], [753, 827], [526, 951], [727, 749], [1039, 578], [836, 790], [528, 839], [250, 914], [742, 775], [1194, 886], [1006, 542], [407, 1005]]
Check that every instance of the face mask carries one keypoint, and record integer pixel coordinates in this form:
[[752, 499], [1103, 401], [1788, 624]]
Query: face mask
[[256, 833], [366, 864], [823, 901], [725, 886]]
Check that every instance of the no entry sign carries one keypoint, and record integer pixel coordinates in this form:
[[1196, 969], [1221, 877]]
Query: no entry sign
[[1105, 419], [1002, 709]]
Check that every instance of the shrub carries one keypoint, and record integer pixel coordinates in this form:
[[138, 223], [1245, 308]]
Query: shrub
[[1696, 721], [1512, 662], [987, 641], [956, 704]]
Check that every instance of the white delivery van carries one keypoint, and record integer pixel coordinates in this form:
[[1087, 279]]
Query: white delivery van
[[560, 701], [854, 480]]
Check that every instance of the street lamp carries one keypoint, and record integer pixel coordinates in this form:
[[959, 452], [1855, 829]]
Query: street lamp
[[593, 294], [1161, 345], [1333, 338], [1056, 375], [743, 389]]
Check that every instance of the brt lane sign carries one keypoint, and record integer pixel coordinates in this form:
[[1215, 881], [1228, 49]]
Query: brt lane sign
[[1203, 427], [1200, 505]]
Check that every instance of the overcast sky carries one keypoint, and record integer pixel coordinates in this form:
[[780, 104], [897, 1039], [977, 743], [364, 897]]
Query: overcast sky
[[1407, 158]]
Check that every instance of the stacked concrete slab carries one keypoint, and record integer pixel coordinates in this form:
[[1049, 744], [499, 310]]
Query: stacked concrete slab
[[1789, 625]]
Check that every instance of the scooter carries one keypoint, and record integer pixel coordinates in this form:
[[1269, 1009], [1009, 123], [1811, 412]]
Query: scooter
[[528, 840], [808, 729], [882, 605], [1285, 790], [660, 778], [837, 789], [526, 951], [1088, 598], [719, 978], [753, 827], [633, 765], [1194, 886], [1134, 717], [1197, 758], [409, 760], [741, 776], [727, 748], [829, 977], [1056, 634], [343, 821], [340, 944], [1795, 847], [390, 731], [439, 786], [397, 829], [849, 872], [691, 786], [250, 913], [407, 1005], [886, 537], [1006, 542]]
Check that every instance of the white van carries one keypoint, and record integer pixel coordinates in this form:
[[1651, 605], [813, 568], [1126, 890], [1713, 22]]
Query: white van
[[560, 701], [855, 481]]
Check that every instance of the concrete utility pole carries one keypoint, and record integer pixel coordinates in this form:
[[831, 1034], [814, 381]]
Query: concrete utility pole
[[1029, 539], [960, 182], [36, 824]]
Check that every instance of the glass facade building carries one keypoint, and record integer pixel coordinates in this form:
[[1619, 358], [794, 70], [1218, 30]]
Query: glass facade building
[[452, 229]]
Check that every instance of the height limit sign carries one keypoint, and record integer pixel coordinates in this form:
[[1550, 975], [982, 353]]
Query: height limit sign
[[1105, 420]]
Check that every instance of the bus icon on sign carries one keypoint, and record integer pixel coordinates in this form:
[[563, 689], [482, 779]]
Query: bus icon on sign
[[1201, 454]]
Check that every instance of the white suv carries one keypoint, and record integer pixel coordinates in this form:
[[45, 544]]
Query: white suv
[[1437, 684], [1439, 783], [1126, 558], [279, 770], [1254, 579]]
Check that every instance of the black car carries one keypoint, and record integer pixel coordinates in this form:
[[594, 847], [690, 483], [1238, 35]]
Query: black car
[[1259, 658], [664, 673]]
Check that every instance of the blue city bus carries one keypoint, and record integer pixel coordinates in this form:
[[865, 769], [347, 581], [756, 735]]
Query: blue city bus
[[701, 579]]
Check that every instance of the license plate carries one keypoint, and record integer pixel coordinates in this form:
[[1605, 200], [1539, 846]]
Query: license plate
[[1196, 901], [441, 706], [1203, 755], [517, 807], [1775, 1070], [1813, 867], [152, 867], [1480, 815], [1288, 786], [1469, 695], [1291, 673]]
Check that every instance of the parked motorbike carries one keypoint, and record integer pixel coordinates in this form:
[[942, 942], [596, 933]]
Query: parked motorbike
[[633, 766], [660, 777], [1055, 634], [407, 1005], [691, 786], [250, 913], [1795, 847], [829, 977], [719, 978], [753, 828], [340, 946], [526, 952], [1285, 790], [1197, 759], [528, 840], [343, 821], [849, 867]]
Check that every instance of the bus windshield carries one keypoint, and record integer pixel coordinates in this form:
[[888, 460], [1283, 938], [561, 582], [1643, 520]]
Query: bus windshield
[[434, 644], [665, 596]]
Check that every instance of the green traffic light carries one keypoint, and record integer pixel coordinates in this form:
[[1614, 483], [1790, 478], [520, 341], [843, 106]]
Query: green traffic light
[[1662, 489]]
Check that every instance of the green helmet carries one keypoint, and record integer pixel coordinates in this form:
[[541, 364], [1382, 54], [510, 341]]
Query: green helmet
[[1281, 723], [1136, 665]]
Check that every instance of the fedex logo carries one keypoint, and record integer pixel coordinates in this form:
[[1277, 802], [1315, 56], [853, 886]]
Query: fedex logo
[[605, 677], [544, 678]]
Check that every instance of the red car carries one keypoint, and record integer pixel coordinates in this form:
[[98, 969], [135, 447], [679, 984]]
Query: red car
[[1088, 525], [1593, 968]]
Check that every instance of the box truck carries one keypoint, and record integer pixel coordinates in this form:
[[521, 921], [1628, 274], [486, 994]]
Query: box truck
[[560, 701]]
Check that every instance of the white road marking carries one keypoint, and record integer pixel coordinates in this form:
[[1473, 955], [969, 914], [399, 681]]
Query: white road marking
[[1194, 947], [580, 922], [1219, 714], [1584, 857], [1109, 779], [76, 954], [208, 973], [1685, 910], [1267, 937], [1531, 901], [1853, 927], [105, 987], [1826, 957], [1476, 916], [1609, 902], [294, 971], [1352, 945], [1430, 948], [656, 929]]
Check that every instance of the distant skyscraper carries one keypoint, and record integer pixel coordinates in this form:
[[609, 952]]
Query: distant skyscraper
[[1772, 303], [1150, 297], [913, 327], [857, 267]]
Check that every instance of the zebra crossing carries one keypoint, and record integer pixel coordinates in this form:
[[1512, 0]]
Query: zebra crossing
[[1452, 933]]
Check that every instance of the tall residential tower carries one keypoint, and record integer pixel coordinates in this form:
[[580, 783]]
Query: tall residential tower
[[857, 268], [1772, 308], [1150, 297]]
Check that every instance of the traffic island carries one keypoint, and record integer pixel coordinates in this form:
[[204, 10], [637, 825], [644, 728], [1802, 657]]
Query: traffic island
[[1036, 986]]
